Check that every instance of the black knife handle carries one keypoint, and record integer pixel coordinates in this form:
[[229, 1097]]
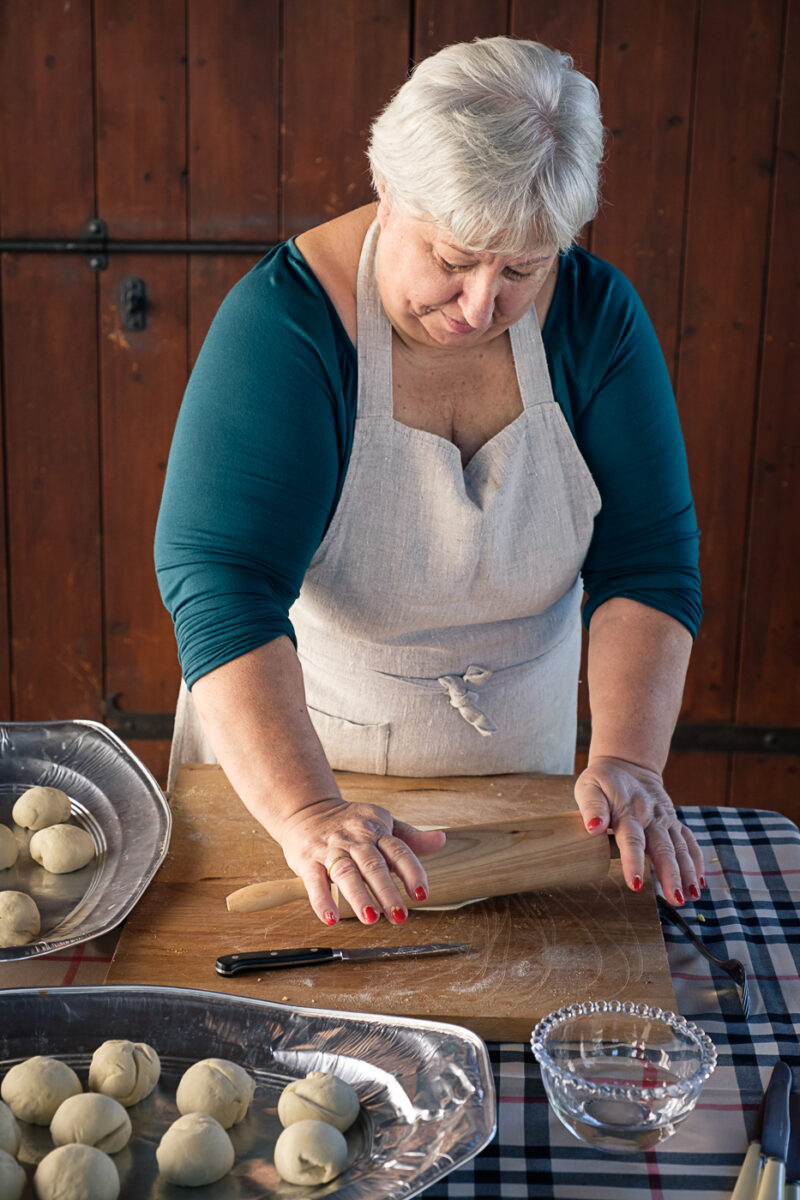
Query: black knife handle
[[265, 960]]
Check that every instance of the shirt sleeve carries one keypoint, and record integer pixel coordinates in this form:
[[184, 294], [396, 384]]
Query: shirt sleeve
[[645, 542], [254, 471]]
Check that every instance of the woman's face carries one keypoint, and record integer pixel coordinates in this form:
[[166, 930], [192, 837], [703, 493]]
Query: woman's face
[[436, 293]]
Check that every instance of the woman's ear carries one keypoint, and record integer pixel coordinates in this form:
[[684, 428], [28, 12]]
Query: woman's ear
[[384, 205]]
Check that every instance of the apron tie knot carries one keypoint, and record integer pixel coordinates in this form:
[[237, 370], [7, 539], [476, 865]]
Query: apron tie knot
[[463, 698]]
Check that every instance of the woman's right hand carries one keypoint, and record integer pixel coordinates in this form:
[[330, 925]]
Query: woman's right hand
[[360, 848]]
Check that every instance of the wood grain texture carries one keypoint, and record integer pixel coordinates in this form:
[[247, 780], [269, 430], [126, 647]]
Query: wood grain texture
[[437, 25], [234, 119], [729, 197], [341, 64], [529, 954], [769, 680], [52, 457], [46, 127], [142, 377], [141, 117], [645, 82], [767, 781], [567, 25]]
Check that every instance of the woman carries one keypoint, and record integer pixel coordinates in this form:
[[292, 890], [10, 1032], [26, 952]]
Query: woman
[[373, 424]]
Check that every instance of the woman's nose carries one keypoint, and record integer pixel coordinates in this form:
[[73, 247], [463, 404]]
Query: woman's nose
[[478, 296]]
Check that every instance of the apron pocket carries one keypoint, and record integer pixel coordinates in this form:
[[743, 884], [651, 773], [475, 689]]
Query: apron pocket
[[352, 747]]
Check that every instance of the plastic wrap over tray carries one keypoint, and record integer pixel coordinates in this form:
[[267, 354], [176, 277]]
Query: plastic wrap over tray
[[114, 797], [426, 1088]]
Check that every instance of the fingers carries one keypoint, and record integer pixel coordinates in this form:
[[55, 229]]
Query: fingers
[[631, 801], [364, 872], [318, 888], [592, 802]]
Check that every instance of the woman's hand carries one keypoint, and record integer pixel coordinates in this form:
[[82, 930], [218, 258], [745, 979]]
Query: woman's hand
[[360, 847], [630, 800]]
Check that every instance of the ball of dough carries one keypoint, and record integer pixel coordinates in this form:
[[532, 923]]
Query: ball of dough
[[92, 1120], [76, 1173], [9, 850], [310, 1152], [12, 1177], [41, 806], [217, 1087], [126, 1071], [34, 1089], [9, 1132], [195, 1150], [19, 919], [319, 1097], [62, 848]]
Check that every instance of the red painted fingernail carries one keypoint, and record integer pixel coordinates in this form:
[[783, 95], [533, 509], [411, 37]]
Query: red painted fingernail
[[420, 893], [399, 915], [595, 821], [694, 891], [679, 896], [330, 918], [637, 883], [702, 881], [370, 915]]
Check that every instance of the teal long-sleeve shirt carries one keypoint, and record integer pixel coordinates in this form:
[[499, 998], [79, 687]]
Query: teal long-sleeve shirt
[[263, 440]]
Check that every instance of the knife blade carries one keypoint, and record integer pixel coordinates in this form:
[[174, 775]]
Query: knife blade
[[792, 1189], [775, 1133], [312, 956]]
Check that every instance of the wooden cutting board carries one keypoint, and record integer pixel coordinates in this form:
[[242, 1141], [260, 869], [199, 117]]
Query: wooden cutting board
[[530, 953]]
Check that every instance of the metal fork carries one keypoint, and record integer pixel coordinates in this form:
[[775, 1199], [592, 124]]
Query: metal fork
[[731, 966]]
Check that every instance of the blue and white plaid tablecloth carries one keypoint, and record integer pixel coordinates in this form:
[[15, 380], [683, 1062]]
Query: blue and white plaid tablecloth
[[750, 911]]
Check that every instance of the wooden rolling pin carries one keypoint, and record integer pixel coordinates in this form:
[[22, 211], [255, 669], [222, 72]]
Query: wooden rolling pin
[[528, 855]]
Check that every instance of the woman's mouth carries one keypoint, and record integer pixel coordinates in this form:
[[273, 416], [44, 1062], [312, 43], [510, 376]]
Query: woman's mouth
[[458, 326]]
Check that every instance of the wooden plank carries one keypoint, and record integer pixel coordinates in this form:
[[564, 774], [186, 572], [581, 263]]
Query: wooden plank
[[645, 85], [234, 119], [46, 135], [769, 691], [770, 781], [531, 953], [729, 195], [437, 25], [142, 377], [341, 64], [694, 778], [567, 25], [141, 117], [49, 321]]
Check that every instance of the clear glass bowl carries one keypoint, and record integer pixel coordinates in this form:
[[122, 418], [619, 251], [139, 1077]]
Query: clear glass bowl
[[621, 1076]]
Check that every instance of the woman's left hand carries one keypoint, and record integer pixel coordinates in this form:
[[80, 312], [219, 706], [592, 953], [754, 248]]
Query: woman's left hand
[[630, 800]]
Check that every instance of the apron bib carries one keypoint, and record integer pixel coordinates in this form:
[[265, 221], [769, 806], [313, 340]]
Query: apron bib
[[438, 625]]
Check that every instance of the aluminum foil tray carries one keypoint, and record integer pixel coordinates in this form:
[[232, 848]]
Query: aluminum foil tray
[[426, 1088], [114, 797]]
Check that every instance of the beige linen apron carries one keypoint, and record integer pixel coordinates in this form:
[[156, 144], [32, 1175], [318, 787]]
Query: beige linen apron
[[438, 624]]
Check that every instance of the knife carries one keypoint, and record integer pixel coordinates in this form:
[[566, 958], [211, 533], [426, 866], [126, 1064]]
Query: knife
[[749, 1178], [792, 1188], [311, 956], [775, 1133]]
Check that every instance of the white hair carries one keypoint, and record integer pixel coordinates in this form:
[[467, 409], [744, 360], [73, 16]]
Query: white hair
[[498, 141]]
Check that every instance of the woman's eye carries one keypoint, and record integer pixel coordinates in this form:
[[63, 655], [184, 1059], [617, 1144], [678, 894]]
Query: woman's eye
[[448, 266]]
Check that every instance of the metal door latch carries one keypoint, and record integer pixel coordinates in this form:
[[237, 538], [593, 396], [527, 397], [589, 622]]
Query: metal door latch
[[134, 303]]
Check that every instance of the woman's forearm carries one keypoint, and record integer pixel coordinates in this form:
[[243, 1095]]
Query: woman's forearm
[[254, 714], [636, 671]]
